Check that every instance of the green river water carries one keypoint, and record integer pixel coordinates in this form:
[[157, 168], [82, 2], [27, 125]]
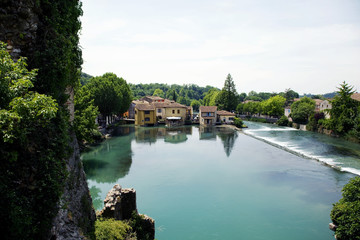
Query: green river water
[[217, 183]]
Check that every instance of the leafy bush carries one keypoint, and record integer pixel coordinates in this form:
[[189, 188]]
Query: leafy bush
[[238, 122], [136, 223], [290, 124], [283, 121], [346, 213], [34, 144], [111, 229]]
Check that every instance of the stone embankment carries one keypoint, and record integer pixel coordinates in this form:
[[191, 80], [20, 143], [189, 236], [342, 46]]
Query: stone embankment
[[120, 204]]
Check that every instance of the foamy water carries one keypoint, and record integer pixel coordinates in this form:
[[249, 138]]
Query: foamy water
[[337, 153]]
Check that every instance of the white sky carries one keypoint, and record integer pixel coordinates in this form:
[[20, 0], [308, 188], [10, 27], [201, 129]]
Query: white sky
[[310, 46]]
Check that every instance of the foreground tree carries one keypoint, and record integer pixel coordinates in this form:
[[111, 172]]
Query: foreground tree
[[228, 97], [346, 213], [34, 143]]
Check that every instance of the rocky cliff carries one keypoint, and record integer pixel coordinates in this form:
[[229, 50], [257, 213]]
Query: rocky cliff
[[27, 26], [120, 204], [76, 216]]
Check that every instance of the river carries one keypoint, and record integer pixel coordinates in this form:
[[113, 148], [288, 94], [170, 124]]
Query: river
[[217, 183]]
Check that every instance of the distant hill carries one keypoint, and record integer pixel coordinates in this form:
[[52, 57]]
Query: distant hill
[[326, 95], [84, 78]]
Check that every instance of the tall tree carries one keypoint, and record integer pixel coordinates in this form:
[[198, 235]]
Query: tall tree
[[344, 110], [228, 98], [210, 97], [111, 94]]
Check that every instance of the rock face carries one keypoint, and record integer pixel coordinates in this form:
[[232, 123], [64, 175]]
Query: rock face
[[18, 26], [121, 203], [76, 216]]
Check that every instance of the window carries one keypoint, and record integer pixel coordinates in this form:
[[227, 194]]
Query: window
[[173, 111], [147, 112], [135, 112], [147, 119], [159, 110], [178, 111]]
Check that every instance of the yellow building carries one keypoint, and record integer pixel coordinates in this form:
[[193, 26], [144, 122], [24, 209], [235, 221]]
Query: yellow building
[[145, 115], [175, 114]]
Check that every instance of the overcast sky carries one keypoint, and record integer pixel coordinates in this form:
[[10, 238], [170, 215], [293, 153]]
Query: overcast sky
[[310, 46]]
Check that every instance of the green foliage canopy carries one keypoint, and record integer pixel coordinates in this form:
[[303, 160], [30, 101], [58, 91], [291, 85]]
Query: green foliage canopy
[[111, 94], [158, 92], [301, 110], [86, 113], [195, 104], [34, 136], [346, 213], [274, 106], [211, 96], [345, 110], [57, 54], [228, 97]]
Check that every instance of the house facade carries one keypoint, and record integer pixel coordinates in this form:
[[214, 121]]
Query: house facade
[[207, 115], [325, 105], [225, 116], [145, 115], [175, 114]]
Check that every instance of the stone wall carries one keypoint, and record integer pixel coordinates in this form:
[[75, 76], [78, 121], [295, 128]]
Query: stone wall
[[18, 26]]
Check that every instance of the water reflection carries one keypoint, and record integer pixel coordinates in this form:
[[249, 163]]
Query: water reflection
[[170, 135], [96, 197], [228, 137], [207, 133], [110, 160]]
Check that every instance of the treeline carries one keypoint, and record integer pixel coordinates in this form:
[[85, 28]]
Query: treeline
[[320, 96], [271, 104]]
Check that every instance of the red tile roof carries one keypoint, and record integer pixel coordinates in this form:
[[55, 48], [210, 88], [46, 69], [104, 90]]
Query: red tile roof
[[145, 107], [225, 113], [356, 96], [208, 108]]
